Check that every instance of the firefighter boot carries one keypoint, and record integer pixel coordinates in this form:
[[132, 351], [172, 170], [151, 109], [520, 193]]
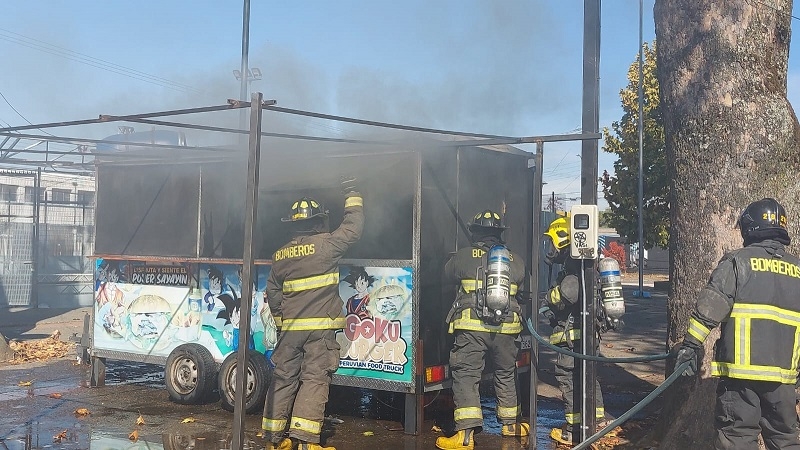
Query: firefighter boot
[[285, 444], [515, 429], [462, 440], [302, 445]]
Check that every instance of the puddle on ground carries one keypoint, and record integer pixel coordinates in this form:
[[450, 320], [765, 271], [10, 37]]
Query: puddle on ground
[[81, 439]]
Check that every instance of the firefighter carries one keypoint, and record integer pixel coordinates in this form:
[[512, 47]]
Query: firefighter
[[752, 295], [477, 337], [303, 293], [563, 309]]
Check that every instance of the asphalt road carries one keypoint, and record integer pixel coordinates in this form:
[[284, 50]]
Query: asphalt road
[[39, 400]]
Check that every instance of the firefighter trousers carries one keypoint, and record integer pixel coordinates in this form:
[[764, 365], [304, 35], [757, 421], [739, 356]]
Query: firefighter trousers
[[568, 376], [746, 408], [304, 363], [467, 361]]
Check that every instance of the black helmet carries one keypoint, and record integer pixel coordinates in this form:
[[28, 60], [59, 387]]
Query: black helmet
[[304, 209], [487, 219], [763, 219]]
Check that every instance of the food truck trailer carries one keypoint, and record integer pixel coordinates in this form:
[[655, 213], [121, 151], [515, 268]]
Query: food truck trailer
[[169, 253]]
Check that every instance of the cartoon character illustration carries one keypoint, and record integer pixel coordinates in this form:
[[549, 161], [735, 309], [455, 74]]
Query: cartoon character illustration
[[108, 290], [189, 322], [270, 338], [216, 287], [102, 275], [360, 280], [257, 298], [390, 301], [232, 336]]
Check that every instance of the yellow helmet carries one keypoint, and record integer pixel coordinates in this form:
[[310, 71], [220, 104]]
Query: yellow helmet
[[558, 231], [303, 209]]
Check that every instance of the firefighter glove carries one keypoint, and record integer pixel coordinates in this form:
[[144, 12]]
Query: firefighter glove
[[348, 184], [688, 353]]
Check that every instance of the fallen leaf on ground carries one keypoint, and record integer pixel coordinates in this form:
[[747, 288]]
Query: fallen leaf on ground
[[609, 345], [368, 433], [25, 383], [40, 349], [60, 436], [140, 420], [80, 412], [188, 420], [55, 395], [436, 428], [134, 436]]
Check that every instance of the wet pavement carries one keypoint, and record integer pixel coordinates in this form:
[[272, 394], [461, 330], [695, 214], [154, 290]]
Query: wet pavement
[[39, 402]]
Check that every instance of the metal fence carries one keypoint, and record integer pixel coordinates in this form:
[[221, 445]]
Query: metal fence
[[46, 239]]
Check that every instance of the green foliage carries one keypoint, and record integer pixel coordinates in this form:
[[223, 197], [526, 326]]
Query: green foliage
[[621, 190]]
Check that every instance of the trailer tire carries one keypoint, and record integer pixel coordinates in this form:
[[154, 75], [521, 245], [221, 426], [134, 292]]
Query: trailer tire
[[259, 375], [190, 374]]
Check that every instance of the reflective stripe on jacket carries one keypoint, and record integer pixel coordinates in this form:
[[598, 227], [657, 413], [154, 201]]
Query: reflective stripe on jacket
[[303, 283], [462, 270], [465, 321], [752, 294]]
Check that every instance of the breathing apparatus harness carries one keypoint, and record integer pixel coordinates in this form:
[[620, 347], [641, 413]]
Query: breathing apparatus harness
[[493, 286], [611, 303]]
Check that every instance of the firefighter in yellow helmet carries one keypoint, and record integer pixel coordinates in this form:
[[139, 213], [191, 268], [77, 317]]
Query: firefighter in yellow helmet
[[303, 294], [564, 309], [481, 333], [752, 297]]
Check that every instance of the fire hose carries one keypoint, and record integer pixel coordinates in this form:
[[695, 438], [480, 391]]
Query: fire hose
[[637, 407]]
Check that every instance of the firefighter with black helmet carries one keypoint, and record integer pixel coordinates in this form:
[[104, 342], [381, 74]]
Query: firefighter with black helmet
[[485, 319], [303, 294], [563, 308], [752, 296]]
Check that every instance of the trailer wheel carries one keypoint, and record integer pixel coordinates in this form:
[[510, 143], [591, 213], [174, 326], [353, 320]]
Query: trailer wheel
[[189, 374], [259, 374]]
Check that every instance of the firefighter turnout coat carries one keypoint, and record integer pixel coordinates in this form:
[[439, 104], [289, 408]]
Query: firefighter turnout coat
[[753, 294], [303, 293], [475, 340], [562, 300]]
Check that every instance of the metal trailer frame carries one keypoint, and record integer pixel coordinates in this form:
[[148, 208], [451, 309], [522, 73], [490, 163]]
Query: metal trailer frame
[[459, 161], [414, 390]]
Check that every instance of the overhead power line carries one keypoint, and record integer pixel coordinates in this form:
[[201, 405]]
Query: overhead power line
[[82, 58]]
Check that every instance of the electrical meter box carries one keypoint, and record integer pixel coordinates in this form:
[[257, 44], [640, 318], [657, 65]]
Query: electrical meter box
[[583, 231]]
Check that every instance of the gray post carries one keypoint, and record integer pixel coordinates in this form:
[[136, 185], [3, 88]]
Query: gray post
[[590, 124], [251, 211], [534, 251]]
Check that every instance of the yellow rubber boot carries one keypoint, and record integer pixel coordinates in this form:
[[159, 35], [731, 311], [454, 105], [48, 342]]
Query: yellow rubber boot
[[285, 444], [562, 435], [515, 429], [462, 440], [311, 446]]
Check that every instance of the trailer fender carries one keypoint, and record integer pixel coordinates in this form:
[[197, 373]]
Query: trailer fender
[[259, 375], [190, 374]]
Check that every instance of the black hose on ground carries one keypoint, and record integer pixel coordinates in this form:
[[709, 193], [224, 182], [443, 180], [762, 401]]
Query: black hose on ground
[[636, 408], [564, 351]]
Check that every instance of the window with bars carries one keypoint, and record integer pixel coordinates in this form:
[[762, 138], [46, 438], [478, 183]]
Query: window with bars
[[30, 194], [8, 193], [60, 195], [86, 197]]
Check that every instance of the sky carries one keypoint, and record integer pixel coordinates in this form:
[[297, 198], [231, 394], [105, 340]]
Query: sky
[[510, 68]]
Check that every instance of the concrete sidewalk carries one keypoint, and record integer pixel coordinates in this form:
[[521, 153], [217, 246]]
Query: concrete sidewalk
[[26, 323]]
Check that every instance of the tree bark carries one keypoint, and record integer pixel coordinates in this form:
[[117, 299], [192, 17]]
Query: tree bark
[[731, 138], [5, 351]]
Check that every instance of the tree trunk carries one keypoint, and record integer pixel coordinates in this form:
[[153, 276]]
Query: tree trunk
[[731, 138], [5, 351]]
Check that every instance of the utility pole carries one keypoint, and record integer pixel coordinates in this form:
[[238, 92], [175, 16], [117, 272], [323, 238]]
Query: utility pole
[[585, 393]]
